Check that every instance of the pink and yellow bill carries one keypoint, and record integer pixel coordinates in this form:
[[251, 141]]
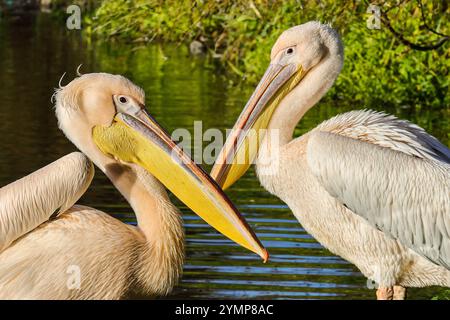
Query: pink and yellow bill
[[135, 137], [242, 145]]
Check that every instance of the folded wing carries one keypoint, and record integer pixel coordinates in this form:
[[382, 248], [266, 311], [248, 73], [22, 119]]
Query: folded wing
[[32, 200], [390, 172]]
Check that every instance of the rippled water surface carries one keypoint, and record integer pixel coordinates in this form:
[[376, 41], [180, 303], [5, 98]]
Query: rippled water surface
[[35, 51]]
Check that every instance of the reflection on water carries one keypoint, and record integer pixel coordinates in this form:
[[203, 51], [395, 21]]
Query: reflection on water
[[34, 52]]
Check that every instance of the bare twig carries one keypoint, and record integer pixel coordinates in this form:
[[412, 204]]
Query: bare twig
[[425, 21], [402, 39]]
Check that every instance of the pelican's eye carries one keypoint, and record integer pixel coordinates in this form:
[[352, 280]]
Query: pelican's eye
[[290, 51], [126, 104], [123, 100]]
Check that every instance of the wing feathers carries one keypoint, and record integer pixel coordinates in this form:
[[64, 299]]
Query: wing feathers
[[387, 131], [30, 201], [405, 193]]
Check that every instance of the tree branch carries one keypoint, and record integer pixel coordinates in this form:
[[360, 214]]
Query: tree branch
[[415, 46]]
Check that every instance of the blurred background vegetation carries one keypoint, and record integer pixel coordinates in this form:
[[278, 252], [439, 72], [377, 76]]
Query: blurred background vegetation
[[379, 67], [405, 63]]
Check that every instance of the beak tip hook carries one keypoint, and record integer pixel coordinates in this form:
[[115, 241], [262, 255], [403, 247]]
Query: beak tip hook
[[265, 256]]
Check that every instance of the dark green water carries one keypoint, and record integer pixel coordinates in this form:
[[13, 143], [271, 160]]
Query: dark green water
[[34, 52]]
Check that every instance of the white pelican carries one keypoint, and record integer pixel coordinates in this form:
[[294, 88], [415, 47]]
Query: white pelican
[[371, 188], [53, 249]]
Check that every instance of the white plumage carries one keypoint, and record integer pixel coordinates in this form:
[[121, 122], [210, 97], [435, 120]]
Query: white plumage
[[385, 211], [401, 188], [371, 188], [53, 249], [48, 243], [30, 201]]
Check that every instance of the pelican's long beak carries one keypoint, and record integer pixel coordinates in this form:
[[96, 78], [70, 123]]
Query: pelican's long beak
[[242, 145], [135, 137]]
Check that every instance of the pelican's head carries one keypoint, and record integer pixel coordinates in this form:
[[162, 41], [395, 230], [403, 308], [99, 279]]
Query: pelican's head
[[303, 47], [305, 61], [104, 116], [94, 100]]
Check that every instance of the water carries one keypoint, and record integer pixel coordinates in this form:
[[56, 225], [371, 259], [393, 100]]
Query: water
[[35, 51]]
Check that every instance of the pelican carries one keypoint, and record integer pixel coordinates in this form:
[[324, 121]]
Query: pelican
[[371, 188], [53, 249]]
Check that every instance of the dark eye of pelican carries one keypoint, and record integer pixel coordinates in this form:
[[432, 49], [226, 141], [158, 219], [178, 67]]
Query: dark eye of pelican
[[290, 51], [123, 100]]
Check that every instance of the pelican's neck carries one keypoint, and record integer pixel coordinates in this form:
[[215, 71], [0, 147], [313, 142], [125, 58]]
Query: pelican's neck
[[297, 102], [156, 216], [304, 96], [160, 256], [161, 261]]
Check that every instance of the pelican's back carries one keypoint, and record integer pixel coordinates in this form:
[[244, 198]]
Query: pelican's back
[[391, 173], [83, 254]]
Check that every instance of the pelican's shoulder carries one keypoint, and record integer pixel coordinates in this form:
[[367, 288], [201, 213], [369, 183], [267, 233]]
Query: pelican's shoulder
[[386, 131]]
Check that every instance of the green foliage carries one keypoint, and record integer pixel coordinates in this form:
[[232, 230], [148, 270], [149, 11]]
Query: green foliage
[[444, 295], [378, 68]]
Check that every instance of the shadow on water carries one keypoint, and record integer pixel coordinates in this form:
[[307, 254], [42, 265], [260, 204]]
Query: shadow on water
[[35, 51]]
